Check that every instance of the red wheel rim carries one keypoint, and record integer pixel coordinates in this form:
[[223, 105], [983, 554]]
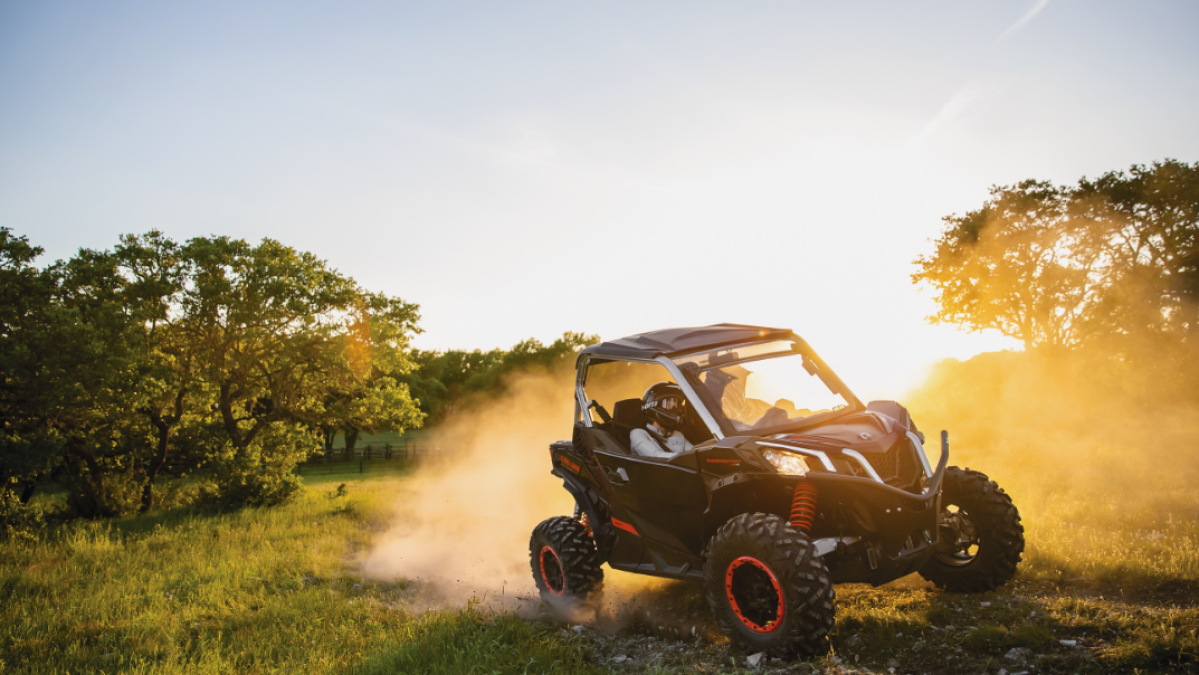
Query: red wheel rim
[[555, 565], [769, 626]]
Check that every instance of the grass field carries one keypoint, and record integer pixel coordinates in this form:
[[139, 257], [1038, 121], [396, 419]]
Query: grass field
[[1109, 582], [266, 591], [259, 591]]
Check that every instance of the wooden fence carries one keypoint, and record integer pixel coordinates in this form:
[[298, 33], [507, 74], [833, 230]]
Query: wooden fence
[[369, 457]]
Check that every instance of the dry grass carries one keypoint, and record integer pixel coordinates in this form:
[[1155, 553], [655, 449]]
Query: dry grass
[[1105, 484]]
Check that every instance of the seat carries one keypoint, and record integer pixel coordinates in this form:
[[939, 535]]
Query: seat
[[626, 416]]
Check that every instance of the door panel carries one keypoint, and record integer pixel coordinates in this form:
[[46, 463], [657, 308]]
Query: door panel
[[663, 502]]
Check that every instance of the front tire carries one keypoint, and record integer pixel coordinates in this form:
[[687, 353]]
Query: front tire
[[768, 589], [981, 536], [564, 560]]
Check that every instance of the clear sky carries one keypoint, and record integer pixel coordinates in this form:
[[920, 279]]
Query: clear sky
[[520, 169]]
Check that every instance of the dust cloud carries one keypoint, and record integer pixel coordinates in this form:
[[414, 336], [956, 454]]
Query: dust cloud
[[1070, 421], [461, 527], [1100, 455]]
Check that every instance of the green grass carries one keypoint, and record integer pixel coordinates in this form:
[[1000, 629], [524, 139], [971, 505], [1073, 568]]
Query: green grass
[[276, 590], [259, 591]]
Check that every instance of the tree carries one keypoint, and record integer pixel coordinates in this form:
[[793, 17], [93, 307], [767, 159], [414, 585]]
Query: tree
[[219, 351], [70, 377], [369, 397], [1023, 265], [443, 380], [30, 444], [1110, 265], [289, 346], [155, 270], [117, 306], [1149, 221]]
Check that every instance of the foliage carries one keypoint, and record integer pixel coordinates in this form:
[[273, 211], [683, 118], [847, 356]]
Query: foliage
[[116, 335], [1111, 262], [18, 521], [443, 381], [97, 494], [260, 474], [214, 353], [31, 395], [284, 340], [1149, 219], [1019, 265]]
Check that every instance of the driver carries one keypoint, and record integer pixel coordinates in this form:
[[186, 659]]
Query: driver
[[665, 407]]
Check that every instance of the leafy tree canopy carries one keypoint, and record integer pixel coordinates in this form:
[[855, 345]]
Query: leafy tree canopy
[[444, 380], [217, 352], [1110, 263]]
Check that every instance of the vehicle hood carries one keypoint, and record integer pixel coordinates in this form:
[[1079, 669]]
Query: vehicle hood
[[867, 431]]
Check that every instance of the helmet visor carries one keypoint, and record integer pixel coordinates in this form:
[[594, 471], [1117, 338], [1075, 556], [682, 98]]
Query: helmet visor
[[672, 403]]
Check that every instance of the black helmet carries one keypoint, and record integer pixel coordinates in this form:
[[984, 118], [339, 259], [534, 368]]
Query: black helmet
[[665, 404]]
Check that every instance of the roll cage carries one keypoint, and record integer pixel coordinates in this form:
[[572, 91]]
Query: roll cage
[[708, 410]]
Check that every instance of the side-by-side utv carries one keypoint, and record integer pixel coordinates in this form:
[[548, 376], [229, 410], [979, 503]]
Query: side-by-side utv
[[787, 484]]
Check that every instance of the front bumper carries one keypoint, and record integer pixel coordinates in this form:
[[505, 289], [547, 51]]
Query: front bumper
[[875, 533]]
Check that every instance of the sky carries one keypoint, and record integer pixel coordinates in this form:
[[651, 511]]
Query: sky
[[522, 169]]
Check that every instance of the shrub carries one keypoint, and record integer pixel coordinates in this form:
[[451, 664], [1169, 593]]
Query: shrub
[[19, 521], [261, 475], [239, 483], [103, 495]]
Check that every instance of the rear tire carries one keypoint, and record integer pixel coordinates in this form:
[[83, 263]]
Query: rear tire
[[981, 536], [768, 589], [564, 561]]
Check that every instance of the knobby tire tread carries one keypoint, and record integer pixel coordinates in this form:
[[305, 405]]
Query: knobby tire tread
[[809, 597], [576, 550], [998, 521]]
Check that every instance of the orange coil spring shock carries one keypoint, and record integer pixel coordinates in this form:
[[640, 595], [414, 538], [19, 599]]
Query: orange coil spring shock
[[587, 525], [803, 506]]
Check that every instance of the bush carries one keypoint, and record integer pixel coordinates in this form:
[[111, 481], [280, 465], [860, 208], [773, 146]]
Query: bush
[[19, 521], [103, 495], [261, 475], [173, 495], [241, 483]]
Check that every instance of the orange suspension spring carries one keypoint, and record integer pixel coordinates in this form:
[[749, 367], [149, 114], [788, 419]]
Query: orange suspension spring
[[587, 525], [803, 506]]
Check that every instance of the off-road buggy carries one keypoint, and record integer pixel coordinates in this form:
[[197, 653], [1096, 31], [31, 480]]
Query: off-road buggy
[[793, 484]]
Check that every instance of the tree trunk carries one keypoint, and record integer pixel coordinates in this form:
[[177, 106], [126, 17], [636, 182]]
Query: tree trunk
[[225, 405], [160, 458], [241, 440], [30, 487], [351, 440], [164, 426]]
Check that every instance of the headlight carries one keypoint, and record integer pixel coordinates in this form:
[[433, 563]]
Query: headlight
[[787, 463]]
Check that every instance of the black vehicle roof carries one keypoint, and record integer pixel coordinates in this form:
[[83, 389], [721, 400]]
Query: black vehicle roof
[[673, 341]]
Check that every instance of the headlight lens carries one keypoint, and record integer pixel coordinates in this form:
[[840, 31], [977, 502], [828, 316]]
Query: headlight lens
[[787, 463]]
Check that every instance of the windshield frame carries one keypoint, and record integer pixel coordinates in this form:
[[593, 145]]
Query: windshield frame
[[687, 366]]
